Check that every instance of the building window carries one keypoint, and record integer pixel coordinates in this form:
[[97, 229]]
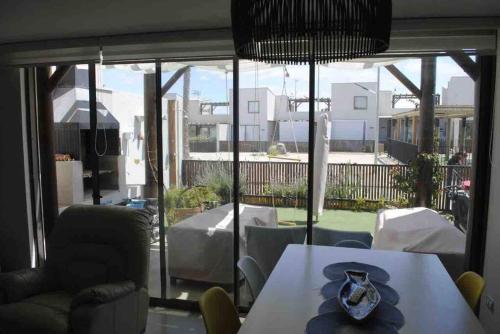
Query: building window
[[360, 102], [253, 107]]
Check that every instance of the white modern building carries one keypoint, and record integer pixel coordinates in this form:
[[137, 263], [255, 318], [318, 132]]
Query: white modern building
[[267, 118]]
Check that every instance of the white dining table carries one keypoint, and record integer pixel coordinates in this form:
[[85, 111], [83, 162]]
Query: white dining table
[[429, 299]]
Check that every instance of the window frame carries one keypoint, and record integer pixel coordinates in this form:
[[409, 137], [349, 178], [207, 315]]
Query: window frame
[[258, 107]]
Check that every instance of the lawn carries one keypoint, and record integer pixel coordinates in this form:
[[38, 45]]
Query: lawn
[[335, 219]]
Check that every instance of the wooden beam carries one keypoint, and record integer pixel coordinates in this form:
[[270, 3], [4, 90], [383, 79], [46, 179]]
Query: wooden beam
[[57, 76], [467, 64], [404, 80], [173, 79]]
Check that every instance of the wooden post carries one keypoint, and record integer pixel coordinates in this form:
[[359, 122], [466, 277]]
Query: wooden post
[[150, 188], [461, 134], [172, 143], [448, 139], [426, 130], [45, 114], [185, 113], [414, 130]]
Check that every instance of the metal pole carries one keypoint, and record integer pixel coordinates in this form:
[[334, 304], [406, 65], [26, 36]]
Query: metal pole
[[96, 196], [310, 160], [236, 179], [159, 168], [377, 121]]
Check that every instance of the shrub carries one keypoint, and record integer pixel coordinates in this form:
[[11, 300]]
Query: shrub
[[407, 182], [360, 204], [220, 181], [296, 189]]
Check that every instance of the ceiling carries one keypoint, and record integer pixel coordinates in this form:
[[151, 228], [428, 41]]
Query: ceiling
[[35, 20]]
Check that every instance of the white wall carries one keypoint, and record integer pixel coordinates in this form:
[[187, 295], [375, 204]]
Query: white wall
[[349, 129], [295, 130], [266, 111], [343, 105], [460, 92], [491, 320]]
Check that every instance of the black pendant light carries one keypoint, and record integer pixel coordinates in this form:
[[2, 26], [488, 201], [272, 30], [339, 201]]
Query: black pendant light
[[301, 31], [310, 32]]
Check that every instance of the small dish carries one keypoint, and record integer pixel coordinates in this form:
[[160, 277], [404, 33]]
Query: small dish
[[357, 295]]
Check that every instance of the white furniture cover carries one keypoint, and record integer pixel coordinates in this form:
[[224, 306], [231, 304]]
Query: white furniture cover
[[321, 151], [200, 248], [417, 230]]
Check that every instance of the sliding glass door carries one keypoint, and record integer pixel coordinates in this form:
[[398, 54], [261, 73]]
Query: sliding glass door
[[198, 179], [160, 137]]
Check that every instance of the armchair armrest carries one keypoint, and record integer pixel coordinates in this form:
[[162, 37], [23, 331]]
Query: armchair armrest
[[103, 293], [21, 284]]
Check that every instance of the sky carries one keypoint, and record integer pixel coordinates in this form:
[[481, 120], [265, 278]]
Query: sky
[[210, 85]]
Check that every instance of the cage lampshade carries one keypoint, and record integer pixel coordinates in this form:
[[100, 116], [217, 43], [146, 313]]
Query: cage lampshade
[[301, 31]]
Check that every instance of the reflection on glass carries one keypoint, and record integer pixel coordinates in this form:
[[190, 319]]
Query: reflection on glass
[[72, 138], [198, 177]]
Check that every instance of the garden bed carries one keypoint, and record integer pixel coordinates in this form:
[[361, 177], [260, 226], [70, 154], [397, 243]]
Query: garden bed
[[329, 204]]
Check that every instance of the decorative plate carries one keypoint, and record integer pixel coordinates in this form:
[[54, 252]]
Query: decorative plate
[[357, 296], [388, 294]]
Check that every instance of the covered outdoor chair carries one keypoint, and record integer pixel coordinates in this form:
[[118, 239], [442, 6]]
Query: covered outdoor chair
[[328, 237], [94, 281], [352, 244], [266, 244], [253, 275]]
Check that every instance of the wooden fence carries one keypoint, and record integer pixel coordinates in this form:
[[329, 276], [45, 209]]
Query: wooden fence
[[344, 181]]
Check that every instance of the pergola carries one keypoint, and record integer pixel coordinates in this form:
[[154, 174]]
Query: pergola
[[404, 121]]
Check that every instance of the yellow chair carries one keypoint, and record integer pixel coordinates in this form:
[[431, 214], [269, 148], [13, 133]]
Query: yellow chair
[[471, 285], [219, 313]]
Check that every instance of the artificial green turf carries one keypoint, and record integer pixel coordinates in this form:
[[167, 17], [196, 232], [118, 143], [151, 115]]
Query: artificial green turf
[[335, 219]]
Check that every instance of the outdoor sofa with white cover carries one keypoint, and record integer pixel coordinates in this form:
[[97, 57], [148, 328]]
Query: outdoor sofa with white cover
[[421, 230], [200, 248]]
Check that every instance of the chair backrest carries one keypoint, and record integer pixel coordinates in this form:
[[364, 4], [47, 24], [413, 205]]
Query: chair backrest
[[471, 285], [253, 275], [219, 313], [351, 244], [93, 244], [266, 244], [328, 237]]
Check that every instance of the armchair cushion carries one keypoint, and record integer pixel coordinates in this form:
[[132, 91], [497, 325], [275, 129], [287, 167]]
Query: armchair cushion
[[21, 284], [103, 293], [42, 314]]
